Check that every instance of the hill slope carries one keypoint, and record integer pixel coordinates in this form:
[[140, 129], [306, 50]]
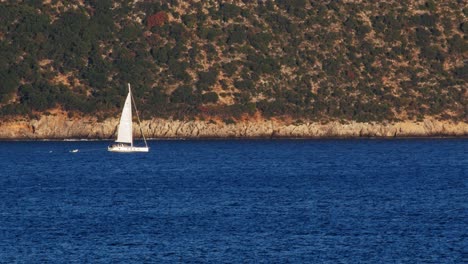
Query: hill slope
[[299, 60]]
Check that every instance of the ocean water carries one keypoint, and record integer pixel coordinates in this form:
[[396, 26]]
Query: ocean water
[[236, 201]]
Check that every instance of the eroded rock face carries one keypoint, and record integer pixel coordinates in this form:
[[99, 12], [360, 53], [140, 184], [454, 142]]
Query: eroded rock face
[[60, 127]]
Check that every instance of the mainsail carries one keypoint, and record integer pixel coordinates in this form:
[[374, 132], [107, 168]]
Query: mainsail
[[124, 134]]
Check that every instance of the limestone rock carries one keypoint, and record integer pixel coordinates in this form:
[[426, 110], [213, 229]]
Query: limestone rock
[[61, 127]]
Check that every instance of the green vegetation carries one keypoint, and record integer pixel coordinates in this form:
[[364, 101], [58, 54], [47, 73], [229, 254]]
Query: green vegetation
[[309, 60]]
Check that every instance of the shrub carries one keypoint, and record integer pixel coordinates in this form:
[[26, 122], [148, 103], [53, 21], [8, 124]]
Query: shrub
[[10, 82], [183, 94], [157, 19], [210, 33], [244, 85], [260, 41], [464, 27], [237, 35], [210, 97], [462, 72], [189, 20], [207, 79], [229, 11], [230, 68], [229, 121], [457, 44]]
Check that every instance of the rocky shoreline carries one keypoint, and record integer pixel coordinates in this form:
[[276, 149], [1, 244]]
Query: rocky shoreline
[[62, 127]]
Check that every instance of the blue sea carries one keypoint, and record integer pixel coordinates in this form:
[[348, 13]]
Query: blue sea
[[236, 201]]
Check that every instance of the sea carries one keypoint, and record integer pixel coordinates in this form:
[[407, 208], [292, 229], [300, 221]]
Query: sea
[[235, 201]]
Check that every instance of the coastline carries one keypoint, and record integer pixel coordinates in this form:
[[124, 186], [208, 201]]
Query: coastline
[[60, 127]]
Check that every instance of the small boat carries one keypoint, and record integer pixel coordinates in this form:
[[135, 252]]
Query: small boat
[[74, 150], [124, 142]]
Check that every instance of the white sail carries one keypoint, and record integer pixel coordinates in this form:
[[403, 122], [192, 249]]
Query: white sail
[[124, 134]]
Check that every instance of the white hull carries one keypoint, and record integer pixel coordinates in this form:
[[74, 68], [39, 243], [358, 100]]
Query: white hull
[[127, 149]]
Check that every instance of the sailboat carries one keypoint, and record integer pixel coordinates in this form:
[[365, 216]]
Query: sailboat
[[124, 142]]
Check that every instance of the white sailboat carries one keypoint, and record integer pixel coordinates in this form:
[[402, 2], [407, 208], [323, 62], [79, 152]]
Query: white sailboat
[[124, 142]]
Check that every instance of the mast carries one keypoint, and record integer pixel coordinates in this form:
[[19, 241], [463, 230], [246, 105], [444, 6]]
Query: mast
[[131, 99], [138, 117]]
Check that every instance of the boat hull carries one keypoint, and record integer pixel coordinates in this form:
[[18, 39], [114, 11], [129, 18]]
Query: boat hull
[[127, 149]]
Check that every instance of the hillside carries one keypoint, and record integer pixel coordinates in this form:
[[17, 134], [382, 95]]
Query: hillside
[[321, 61]]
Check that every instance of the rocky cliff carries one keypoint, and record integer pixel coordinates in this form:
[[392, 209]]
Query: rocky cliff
[[62, 127]]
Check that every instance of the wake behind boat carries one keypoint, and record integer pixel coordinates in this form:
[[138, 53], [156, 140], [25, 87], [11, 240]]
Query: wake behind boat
[[125, 132]]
